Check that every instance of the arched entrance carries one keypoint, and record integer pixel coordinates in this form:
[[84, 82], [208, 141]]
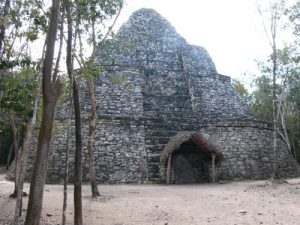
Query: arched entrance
[[189, 158]]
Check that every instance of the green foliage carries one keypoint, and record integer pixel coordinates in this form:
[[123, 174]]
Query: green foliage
[[287, 94], [11, 64], [93, 16], [16, 102], [294, 16], [18, 93], [90, 69], [240, 88], [28, 20], [5, 139], [93, 10], [261, 98], [122, 82]]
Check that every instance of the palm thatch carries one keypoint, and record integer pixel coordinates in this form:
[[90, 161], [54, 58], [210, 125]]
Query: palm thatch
[[176, 141]]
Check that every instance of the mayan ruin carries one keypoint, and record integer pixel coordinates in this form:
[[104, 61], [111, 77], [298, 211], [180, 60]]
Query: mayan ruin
[[172, 119]]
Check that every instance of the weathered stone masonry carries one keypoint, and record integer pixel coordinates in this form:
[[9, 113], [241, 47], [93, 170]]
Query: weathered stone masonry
[[168, 86]]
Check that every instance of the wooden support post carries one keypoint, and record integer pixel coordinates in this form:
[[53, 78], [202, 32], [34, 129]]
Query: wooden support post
[[169, 170], [213, 156]]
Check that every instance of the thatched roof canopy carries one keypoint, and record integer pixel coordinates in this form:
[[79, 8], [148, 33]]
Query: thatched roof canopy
[[176, 141]]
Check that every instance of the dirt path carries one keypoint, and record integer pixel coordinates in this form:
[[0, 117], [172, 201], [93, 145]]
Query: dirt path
[[249, 202]]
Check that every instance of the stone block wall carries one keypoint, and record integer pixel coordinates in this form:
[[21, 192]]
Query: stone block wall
[[118, 93], [119, 154], [128, 151], [215, 98], [247, 147], [196, 61]]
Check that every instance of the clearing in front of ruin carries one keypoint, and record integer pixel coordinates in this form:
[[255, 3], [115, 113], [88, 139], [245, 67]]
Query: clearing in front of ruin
[[247, 202]]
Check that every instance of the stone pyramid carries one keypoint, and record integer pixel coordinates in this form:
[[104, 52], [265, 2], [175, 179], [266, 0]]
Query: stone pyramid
[[155, 89]]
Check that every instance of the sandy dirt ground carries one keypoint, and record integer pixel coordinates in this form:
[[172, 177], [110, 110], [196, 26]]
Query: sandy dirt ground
[[232, 203]]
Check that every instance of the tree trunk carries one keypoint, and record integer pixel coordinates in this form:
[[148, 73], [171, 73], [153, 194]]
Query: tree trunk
[[298, 118], [22, 171], [283, 117], [24, 156], [4, 24], [34, 208], [274, 106], [92, 128], [274, 20], [298, 130], [274, 11], [66, 176], [17, 155], [78, 164], [51, 91], [9, 157]]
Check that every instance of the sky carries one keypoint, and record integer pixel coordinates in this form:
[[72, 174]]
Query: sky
[[230, 30]]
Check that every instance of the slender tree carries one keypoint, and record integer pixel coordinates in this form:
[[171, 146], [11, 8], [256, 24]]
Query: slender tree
[[275, 11], [3, 25], [51, 90], [15, 132], [16, 105], [66, 175], [25, 151], [24, 157], [91, 13], [76, 98], [91, 134]]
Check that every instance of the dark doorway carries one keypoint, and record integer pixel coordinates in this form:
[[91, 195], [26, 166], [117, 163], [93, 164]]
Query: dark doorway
[[183, 170], [190, 165]]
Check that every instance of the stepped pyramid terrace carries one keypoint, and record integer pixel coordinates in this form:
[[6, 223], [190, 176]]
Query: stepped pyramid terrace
[[176, 120]]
